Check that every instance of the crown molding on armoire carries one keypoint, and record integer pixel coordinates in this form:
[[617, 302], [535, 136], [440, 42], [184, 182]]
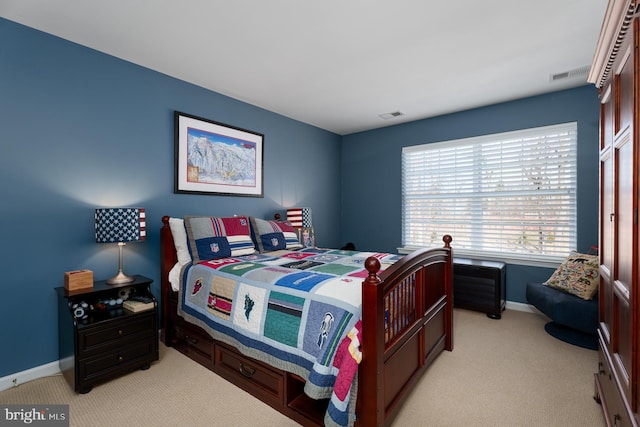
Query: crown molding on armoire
[[616, 22]]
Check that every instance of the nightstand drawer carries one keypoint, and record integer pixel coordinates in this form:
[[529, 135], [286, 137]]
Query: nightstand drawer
[[131, 356], [123, 329]]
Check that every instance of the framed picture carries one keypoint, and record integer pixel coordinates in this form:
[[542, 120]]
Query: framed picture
[[214, 158]]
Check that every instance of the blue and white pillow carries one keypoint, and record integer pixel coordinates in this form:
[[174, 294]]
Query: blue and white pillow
[[218, 237], [274, 235]]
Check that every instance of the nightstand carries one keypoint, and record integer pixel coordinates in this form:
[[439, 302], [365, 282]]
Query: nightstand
[[99, 340]]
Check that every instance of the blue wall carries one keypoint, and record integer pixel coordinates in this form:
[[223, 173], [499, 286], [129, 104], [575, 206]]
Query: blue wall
[[371, 169], [80, 130]]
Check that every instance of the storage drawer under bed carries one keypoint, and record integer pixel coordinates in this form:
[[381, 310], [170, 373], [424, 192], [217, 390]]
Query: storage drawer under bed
[[198, 346], [261, 380]]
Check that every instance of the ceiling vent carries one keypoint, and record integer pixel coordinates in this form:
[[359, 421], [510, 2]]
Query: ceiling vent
[[581, 72], [391, 115]]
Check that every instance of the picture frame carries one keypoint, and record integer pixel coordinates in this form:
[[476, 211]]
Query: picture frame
[[217, 159]]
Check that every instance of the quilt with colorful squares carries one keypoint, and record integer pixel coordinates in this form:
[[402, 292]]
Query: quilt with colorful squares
[[299, 311]]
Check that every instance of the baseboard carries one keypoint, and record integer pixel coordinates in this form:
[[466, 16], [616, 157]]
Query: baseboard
[[41, 371], [518, 306], [18, 378]]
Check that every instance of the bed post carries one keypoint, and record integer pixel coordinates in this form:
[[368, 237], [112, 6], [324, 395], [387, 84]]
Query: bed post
[[370, 410], [448, 281]]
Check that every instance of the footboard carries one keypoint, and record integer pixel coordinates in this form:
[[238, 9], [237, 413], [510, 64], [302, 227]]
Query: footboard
[[407, 320]]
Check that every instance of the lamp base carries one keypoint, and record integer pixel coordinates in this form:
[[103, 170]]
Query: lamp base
[[120, 279]]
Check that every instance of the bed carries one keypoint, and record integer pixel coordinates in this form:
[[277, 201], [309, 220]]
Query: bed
[[379, 351]]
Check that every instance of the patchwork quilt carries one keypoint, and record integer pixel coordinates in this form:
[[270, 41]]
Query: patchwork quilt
[[296, 310]]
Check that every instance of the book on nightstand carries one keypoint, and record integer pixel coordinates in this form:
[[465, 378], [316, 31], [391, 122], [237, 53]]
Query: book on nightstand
[[136, 306]]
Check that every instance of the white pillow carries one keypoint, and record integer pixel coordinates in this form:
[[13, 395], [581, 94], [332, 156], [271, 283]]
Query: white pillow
[[174, 276], [180, 240]]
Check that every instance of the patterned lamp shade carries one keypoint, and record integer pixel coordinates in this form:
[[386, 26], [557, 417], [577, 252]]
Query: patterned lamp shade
[[114, 225], [299, 217]]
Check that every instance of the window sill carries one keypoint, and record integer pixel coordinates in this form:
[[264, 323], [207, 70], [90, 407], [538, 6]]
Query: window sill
[[508, 259]]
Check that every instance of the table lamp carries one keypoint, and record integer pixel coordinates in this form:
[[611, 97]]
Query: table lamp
[[120, 225]]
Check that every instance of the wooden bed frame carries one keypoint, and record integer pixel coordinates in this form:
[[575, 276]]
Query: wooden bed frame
[[413, 297]]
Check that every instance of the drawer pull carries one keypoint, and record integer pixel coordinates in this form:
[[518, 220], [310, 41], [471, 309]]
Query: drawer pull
[[192, 341], [247, 371], [120, 359], [120, 332]]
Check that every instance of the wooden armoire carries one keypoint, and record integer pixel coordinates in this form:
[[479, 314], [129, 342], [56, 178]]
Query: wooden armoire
[[615, 71]]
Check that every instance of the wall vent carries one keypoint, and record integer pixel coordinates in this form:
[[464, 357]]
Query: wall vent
[[581, 72]]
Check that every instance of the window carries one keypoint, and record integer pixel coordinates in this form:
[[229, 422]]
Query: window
[[509, 195]]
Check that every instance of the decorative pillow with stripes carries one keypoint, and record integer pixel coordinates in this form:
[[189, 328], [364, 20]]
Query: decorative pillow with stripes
[[274, 235], [218, 237]]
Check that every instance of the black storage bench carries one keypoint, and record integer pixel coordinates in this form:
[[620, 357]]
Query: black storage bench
[[574, 320], [480, 285]]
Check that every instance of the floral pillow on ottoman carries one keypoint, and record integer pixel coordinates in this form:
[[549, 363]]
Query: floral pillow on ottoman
[[577, 275]]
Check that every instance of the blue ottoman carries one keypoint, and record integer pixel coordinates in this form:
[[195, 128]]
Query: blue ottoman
[[574, 320]]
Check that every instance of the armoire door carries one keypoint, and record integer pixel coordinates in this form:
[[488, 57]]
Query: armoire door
[[618, 222], [607, 215]]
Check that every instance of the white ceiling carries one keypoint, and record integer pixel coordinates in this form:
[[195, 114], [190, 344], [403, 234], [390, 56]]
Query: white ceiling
[[339, 64]]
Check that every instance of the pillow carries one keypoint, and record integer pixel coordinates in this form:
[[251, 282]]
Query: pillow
[[217, 237], [180, 240], [577, 275], [273, 235]]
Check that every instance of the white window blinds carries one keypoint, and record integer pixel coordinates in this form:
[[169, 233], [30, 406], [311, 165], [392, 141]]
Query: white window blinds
[[510, 194]]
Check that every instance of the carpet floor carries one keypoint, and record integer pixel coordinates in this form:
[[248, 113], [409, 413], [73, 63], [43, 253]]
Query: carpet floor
[[506, 372]]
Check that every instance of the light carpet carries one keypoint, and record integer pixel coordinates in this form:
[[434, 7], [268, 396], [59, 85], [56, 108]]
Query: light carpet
[[506, 372]]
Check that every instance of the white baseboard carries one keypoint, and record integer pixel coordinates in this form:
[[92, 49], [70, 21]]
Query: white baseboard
[[18, 378], [518, 306], [525, 307]]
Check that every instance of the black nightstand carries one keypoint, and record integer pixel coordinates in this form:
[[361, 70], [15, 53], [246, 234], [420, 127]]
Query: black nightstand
[[99, 341]]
